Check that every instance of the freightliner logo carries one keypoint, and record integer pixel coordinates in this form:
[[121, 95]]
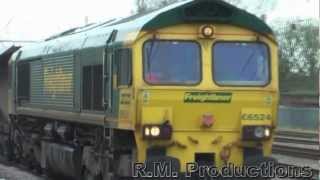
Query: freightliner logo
[[207, 97]]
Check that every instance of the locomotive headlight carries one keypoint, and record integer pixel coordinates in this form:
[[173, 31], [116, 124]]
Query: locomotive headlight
[[207, 31], [259, 132], [155, 131], [256, 132]]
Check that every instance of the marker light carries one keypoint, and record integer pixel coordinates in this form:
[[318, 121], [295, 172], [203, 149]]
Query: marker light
[[207, 31]]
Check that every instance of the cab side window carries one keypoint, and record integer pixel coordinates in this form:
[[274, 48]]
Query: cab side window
[[123, 59]]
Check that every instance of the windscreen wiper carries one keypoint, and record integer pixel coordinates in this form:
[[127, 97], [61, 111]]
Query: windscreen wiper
[[149, 53]]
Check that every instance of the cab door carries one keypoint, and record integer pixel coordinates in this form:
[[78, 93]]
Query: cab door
[[108, 80], [123, 61], [118, 86]]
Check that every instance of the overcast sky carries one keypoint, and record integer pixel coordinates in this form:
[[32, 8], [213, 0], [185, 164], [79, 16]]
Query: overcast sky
[[38, 19]]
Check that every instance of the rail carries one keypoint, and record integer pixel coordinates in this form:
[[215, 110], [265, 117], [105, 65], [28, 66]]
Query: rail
[[298, 144]]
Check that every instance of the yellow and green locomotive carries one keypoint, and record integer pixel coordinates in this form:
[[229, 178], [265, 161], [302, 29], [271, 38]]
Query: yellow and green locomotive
[[196, 81]]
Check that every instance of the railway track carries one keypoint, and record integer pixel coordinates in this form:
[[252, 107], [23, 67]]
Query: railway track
[[297, 144], [315, 172], [291, 133], [296, 140], [296, 151]]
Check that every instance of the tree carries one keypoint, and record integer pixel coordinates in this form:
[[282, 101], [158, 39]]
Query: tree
[[299, 50]]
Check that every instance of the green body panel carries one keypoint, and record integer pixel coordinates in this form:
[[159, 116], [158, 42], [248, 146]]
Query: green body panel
[[77, 85], [208, 11], [52, 82]]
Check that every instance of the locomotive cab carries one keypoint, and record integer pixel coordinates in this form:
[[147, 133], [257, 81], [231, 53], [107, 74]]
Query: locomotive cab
[[210, 100]]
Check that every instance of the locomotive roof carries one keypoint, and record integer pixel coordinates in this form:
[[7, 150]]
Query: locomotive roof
[[189, 11]]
